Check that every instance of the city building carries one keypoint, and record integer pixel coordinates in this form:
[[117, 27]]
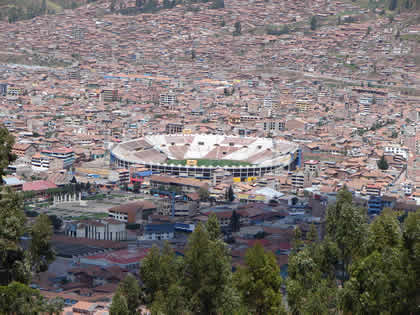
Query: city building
[[157, 232], [64, 154], [105, 229], [132, 213]]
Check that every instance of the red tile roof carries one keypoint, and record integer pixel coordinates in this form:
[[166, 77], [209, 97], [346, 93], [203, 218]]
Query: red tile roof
[[38, 185]]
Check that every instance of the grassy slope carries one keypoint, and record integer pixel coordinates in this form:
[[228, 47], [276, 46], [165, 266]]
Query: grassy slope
[[51, 4]]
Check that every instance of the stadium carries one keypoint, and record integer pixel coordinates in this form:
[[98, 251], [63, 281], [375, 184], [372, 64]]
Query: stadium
[[199, 156]]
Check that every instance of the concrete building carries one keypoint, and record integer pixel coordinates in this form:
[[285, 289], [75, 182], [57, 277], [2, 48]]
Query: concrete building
[[106, 229], [109, 95], [154, 232], [167, 100], [23, 149], [64, 154], [172, 128], [134, 212]]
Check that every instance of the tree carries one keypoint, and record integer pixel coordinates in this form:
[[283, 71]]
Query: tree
[[171, 303], [217, 4], [312, 234], [56, 222], [235, 223], [259, 282], [307, 291], [14, 262], [136, 187], [346, 226], [392, 5], [158, 271], [130, 289], [167, 4], [213, 228], [377, 278], [44, 7], [238, 29], [112, 5], [207, 277], [203, 193], [382, 163], [230, 195], [314, 23], [411, 259], [88, 186], [119, 305], [41, 252], [6, 144], [19, 299]]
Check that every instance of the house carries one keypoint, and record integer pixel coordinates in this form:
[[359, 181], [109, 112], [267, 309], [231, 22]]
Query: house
[[15, 183], [133, 212], [153, 232], [23, 149]]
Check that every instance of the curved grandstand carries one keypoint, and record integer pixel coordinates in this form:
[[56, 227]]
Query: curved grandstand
[[200, 155]]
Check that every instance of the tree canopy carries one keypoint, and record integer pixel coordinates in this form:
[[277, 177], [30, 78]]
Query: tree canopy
[[259, 282], [18, 265], [375, 264]]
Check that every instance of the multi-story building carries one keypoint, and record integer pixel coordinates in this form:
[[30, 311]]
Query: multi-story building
[[153, 232], [123, 176], [395, 149], [373, 190], [298, 180], [167, 100], [23, 149], [109, 95], [303, 105], [172, 128], [42, 163], [14, 91], [3, 89], [134, 212], [407, 188], [64, 154], [272, 125], [106, 229], [311, 166]]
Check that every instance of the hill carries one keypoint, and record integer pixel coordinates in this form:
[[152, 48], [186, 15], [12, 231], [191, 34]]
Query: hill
[[16, 10]]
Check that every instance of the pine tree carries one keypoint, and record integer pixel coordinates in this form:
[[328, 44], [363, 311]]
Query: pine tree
[[392, 5], [208, 275], [382, 163], [314, 23], [230, 194], [6, 144], [238, 29], [259, 282], [235, 223], [119, 305], [41, 252], [130, 289]]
